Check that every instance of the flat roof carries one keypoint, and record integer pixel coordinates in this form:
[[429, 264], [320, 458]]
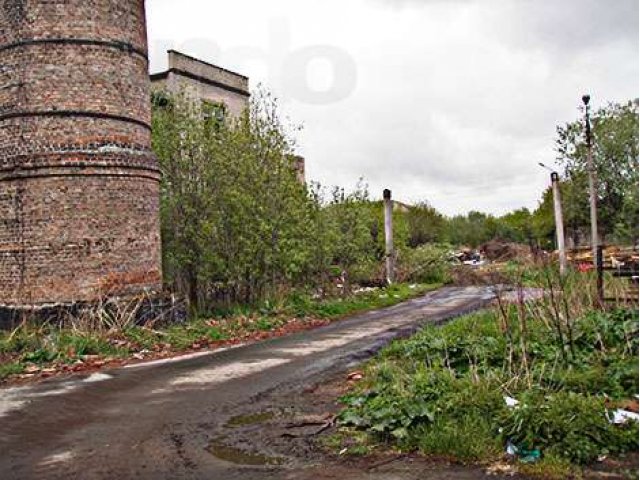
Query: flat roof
[[164, 72]]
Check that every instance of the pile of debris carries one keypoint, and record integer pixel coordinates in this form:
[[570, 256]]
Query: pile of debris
[[613, 256], [498, 250], [467, 256]]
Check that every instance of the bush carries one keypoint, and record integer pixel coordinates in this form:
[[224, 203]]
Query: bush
[[237, 225], [429, 263], [474, 341], [467, 438], [567, 425], [442, 390]]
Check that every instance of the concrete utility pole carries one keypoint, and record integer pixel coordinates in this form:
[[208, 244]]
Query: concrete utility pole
[[557, 209], [388, 236], [592, 183]]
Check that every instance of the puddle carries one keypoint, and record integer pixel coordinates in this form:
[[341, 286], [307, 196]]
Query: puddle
[[250, 419], [240, 457]]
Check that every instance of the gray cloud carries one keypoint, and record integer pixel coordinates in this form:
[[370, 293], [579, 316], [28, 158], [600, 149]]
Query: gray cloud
[[473, 116], [456, 101], [397, 4], [566, 26]]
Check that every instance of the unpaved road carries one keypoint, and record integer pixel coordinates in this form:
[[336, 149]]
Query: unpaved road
[[160, 420]]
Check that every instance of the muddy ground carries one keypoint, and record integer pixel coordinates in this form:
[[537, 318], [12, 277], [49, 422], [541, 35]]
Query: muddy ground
[[284, 435], [287, 435]]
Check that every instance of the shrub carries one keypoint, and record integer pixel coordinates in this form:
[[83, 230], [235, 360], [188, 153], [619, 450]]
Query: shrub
[[471, 342], [237, 225], [567, 425], [429, 263], [442, 390], [467, 438]]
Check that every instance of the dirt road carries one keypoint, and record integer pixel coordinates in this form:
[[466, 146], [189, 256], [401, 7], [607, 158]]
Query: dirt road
[[174, 419]]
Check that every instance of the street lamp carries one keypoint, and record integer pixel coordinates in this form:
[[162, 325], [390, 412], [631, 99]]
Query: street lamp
[[592, 183], [557, 211], [546, 167]]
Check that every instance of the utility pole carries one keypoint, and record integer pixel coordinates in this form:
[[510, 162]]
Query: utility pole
[[388, 236], [557, 209], [595, 242], [559, 219]]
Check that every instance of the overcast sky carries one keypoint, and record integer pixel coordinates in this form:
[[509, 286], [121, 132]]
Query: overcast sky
[[450, 101]]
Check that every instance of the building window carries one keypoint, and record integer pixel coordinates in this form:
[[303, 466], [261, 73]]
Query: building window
[[214, 111], [160, 98]]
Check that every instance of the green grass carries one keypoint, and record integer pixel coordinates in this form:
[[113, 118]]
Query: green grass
[[441, 391], [551, 467], [348, 442], [337, 307], [468, 438], [44, 345], [11, 368]]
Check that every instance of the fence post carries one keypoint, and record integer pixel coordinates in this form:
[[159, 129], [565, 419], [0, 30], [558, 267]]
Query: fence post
[[388, 236], [600, 279], [557, 208]]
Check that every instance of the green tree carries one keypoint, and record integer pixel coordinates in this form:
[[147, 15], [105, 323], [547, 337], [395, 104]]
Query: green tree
[[543, 221], [236, 224], [516, 226], [471, 230], [351, 217], [615, 154], [425, 225]]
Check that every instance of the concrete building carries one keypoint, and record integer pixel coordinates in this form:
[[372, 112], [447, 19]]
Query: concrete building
[[203, 80], [401, 207], [215, 85], [79, 185]]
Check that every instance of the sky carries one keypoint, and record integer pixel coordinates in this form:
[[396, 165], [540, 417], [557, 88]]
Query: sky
[[453, 102]]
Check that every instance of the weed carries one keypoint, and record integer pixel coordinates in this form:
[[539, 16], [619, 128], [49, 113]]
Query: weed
[[41, 355], [264, 324], [216, 334], [442, 390], [142, 337], [568, 425], [349, 442], [108, 329], [11, 368], [550, 467], [469, 438]]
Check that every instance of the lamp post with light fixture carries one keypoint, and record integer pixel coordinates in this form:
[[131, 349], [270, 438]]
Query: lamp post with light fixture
[[595, 242]]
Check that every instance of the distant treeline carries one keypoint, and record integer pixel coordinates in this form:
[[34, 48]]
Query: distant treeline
[[615, 132]]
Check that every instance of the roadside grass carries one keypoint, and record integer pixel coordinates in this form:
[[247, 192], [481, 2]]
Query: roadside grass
[[551, 467], [31, 349], [11, 368], [566, 364]]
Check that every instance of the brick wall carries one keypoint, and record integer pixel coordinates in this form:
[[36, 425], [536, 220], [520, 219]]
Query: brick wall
[[78, 182]]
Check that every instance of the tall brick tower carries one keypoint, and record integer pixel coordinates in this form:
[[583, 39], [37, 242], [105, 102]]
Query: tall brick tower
[[79, 185]]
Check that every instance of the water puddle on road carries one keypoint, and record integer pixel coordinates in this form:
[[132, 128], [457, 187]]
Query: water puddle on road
[[240, 457], [250, 419]]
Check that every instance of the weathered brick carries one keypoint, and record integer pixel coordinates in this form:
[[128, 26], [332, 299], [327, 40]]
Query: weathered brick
[[79, 185]]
